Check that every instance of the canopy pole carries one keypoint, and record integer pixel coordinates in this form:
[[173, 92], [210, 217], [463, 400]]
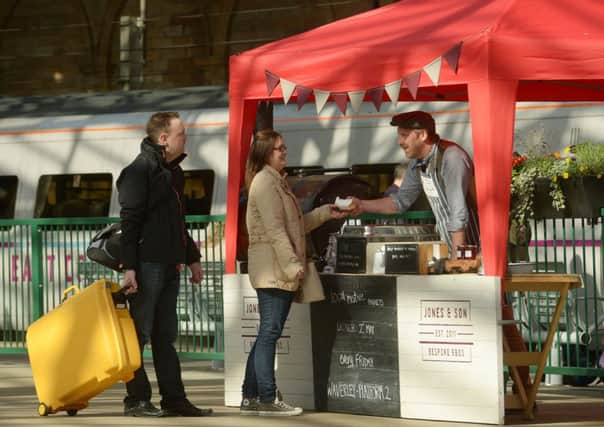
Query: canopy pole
[[492, 112], [242, 115]]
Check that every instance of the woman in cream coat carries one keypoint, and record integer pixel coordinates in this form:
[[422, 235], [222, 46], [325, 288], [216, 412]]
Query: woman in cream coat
[[276, 264]]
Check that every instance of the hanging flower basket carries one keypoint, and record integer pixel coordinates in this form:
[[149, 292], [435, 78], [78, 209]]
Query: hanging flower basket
[[584, 196]]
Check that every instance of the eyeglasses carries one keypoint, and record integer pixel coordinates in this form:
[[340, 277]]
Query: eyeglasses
[[282, 148]]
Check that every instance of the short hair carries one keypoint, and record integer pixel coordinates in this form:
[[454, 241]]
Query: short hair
[[160, 122], [260, 152]]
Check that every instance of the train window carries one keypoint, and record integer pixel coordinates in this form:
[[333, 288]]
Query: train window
[[199, 187], [73, 195], [8, 196], [379, 176]]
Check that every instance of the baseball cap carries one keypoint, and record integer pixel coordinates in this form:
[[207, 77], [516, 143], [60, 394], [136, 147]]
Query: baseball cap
[[414, 120]]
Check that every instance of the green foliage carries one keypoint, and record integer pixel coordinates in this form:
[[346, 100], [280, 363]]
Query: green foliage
[[524, 175]]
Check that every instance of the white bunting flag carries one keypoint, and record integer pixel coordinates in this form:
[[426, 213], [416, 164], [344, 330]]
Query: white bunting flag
[[356, 97], [320, 99], [393, 89], [288, 88], [433, 70]]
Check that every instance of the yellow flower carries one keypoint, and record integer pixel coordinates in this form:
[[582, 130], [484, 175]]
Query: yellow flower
[[582, 168], [555, 179], [565, 175], [568, 160], [567, 150]]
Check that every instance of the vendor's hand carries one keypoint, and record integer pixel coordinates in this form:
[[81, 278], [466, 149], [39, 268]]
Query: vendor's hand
[[300, 274], [129, 285], [356, 207]]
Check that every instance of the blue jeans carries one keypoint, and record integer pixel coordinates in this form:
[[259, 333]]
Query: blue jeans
[[153, 309], [259, 381]]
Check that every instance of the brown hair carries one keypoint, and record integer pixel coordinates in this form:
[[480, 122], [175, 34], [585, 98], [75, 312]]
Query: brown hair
[[260, 152], [160, 122]]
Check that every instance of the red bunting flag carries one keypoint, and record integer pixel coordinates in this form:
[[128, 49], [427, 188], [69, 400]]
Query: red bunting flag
[[377, 96], [412, 82], [452, 56], [303, 94], [340, 99], [271, 81]]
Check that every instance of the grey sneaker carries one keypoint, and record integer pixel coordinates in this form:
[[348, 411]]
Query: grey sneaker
[[248, 406], [278, 408]]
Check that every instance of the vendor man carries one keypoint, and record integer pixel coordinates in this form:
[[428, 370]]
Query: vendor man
[[439, 168], [445, 172]]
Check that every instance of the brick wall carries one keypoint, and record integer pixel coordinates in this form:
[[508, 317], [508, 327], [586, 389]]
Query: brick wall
[[50, 47]]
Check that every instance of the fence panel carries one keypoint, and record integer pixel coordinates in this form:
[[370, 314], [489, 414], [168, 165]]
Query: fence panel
[[41, 258]]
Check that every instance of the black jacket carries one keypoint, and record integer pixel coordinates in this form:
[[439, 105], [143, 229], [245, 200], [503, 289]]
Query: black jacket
[[150, 195]]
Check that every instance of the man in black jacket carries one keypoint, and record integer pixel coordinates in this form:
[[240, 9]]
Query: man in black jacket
[[154, 246]]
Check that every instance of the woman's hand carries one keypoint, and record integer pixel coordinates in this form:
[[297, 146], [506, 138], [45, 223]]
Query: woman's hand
[[337, 213], [300, 274]]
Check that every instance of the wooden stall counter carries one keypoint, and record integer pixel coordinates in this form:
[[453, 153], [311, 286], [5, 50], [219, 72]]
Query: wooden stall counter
[[560, 284]]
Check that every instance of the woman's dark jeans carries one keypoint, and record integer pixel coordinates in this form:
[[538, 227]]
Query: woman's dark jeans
[[153, 309], [259, 381]]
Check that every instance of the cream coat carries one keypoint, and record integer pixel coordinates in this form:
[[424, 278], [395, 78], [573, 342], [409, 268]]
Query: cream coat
[[277, 231]]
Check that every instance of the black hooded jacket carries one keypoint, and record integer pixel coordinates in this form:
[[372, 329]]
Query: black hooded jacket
[[152, 213]]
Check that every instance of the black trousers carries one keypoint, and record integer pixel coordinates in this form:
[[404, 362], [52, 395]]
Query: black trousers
[[153, 309]]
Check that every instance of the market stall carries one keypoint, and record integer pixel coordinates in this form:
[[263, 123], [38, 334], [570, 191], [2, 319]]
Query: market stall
[[490, 53]]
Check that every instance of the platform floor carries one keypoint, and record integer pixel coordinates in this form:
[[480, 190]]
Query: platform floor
[[557, 405]]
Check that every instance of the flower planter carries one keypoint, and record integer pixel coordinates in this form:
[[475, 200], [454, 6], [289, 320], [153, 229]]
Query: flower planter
[[542, 202], [584, 196]]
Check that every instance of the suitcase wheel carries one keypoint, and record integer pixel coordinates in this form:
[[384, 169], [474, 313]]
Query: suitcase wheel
[[72, 412], [43, 410]]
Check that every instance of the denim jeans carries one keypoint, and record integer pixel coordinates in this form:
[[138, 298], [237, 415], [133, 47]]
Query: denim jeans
[[259, 381], [153, 309]]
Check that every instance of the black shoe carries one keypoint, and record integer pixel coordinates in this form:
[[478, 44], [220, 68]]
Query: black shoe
[[184, 408], [144, 408]]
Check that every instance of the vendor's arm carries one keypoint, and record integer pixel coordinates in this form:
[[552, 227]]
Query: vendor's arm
[[395, 203]]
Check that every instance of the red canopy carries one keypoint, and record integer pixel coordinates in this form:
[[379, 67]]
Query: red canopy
[[512, 50]]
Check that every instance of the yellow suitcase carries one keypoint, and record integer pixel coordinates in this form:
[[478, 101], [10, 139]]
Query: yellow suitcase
[[82, 347]]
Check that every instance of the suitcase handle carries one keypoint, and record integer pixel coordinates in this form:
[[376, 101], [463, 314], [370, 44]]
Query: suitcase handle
[[75, 289]]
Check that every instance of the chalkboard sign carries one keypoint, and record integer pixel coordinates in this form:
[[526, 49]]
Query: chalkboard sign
[[351, 254], [401, 259], [355, 345]]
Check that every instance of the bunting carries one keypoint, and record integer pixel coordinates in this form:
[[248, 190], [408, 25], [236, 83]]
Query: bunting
[[375, 95], [303, 94], [433, 70], [356, 97], [393, 89], [340, 99]]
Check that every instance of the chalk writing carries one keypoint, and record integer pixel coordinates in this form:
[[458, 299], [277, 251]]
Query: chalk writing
[[361, 391]]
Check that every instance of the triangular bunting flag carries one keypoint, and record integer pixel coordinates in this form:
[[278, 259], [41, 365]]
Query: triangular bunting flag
[[393, 89], [320, 99], [288, 88], [271, 81], [433, 70], [340, 99], [356, 97], [452, 56], [303, 94], [377, 96], [412, 82]]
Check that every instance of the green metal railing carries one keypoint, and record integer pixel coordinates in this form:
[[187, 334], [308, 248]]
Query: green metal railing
[[574, 246], [40, 258]]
